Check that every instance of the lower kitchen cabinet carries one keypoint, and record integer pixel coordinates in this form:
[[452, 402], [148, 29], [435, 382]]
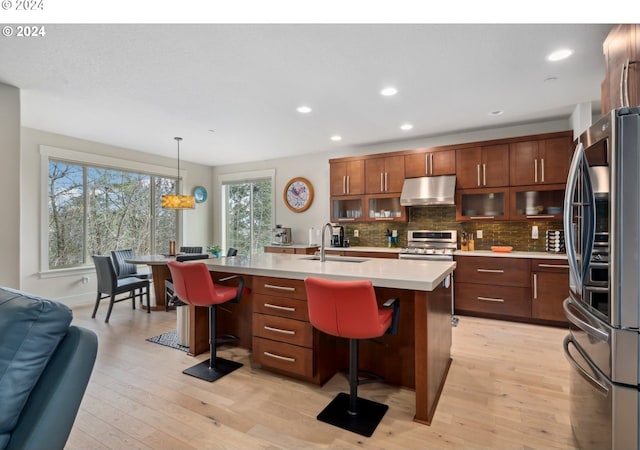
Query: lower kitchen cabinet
[[521, 289], [283, 338], [550, 286]]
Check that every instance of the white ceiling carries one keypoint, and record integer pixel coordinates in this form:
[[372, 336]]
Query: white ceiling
[[138, 86]]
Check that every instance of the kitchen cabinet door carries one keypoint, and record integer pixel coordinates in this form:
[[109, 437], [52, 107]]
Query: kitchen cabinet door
[[549, 286], [544, 161], [430, 164], [347, 177], [384, 175], [621, 51], [479, 167]]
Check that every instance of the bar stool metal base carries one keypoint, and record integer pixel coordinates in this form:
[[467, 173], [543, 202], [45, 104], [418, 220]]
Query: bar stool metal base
[[204, 372], [369, 415]]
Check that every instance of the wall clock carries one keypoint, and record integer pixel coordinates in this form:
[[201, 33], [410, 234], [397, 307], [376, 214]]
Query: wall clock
[[298, 194], [200, 193]]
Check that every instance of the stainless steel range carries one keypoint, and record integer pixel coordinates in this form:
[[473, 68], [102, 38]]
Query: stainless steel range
[[430, 245]]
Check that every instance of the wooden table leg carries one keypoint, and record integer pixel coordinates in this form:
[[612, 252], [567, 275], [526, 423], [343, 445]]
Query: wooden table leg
[[159, 272]]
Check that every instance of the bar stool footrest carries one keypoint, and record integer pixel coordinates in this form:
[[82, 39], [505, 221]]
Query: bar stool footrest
[[369, 415], [204, 372]]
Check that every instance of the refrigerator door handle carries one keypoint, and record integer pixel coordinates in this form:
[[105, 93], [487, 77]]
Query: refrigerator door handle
[[567, 305], [569, 230], [599, 385]]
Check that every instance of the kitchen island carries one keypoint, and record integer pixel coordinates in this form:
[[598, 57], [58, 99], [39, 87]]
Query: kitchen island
[[418, 357]]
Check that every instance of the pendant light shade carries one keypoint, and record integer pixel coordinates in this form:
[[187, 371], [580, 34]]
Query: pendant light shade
[[178, 201]]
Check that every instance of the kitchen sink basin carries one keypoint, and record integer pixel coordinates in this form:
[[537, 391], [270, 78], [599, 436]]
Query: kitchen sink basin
[[336, 258]]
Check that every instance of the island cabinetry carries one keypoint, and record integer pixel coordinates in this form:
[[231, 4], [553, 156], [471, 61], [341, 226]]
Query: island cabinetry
[[549, 286], [493, 286], [384, 175], [430, 164], [482, 167], [346, 177], [283, 338], [544, 161]]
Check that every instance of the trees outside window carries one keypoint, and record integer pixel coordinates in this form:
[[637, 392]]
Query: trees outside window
[[248, 214], [93, 210]]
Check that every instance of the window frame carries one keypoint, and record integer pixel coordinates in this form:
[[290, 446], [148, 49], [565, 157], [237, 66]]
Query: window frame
[[48, 153]]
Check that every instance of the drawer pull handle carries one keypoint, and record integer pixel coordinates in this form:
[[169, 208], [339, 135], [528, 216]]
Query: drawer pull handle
[[283, 358], [489, 299], [555, 266], [231, 277], [279, 330], [491, 270], [283, 308], [280, 288]]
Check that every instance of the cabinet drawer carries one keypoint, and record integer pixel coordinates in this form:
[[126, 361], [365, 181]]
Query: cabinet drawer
[[491, 299], [281, 356], [291, 308], [281, 329], [495, 271], [549, 265], [283, 287], [280, 250]]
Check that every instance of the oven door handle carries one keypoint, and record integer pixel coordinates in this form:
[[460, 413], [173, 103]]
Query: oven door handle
[[598, 384], [567, 306]]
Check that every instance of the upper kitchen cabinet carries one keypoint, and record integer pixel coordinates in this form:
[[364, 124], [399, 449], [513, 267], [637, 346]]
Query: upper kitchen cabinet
[[544, 161], [384, 175], [347, 177], [430, 164], [480, 167], [621, 86]]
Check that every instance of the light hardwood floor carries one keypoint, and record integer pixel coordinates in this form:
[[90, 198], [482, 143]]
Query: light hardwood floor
[[507, 389]]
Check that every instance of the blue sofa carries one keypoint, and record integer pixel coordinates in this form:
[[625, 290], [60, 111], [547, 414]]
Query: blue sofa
[[45, 365]]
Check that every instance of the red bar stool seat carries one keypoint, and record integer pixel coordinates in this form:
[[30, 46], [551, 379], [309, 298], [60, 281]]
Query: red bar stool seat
[[349, 309], [193, 285]]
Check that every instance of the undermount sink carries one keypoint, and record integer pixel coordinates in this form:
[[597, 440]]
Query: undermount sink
[[336, 258]]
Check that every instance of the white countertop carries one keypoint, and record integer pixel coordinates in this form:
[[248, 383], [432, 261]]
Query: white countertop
[[513, 254], [383, 272], [367, 249]]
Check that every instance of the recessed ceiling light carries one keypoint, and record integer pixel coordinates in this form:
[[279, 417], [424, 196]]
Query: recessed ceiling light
[[303, 109], [560, 54], [389, 91], [336, 138], [406, 126], [497, 112]]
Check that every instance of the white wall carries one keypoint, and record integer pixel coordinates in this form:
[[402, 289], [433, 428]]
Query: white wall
[[63, 285], [315, 167], [9, 185]]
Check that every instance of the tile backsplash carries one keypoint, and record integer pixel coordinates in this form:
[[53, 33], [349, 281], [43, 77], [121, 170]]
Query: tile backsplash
[[516, 234]]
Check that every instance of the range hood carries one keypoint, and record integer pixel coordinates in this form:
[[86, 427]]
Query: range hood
[[425, 191]]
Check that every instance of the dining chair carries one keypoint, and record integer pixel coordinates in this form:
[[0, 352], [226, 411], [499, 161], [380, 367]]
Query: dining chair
[[109, 285], [349, 309], [194, 286], [125, 269], [190, 249]]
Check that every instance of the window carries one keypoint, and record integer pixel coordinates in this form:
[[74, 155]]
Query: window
[[247, 213], [93, 210]]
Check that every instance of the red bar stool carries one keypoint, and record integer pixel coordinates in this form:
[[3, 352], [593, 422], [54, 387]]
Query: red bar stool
[[193, 285], [349, 309]]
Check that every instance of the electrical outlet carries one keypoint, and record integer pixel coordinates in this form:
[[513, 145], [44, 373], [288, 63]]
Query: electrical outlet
[[356, 233], [85, 279], [479, 234], [534, 232]]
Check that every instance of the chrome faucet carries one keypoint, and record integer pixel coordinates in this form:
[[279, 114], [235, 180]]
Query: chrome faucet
[[322, 257]]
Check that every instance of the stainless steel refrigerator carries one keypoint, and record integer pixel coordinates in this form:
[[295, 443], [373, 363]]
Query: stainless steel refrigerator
[[602, 227]]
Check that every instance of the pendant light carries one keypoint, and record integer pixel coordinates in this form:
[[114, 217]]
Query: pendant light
[[178, 201]]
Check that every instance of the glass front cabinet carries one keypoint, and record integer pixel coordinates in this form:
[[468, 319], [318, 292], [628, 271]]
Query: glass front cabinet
[[537, 202], [482, 204], [384, 207], [347, 209]]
